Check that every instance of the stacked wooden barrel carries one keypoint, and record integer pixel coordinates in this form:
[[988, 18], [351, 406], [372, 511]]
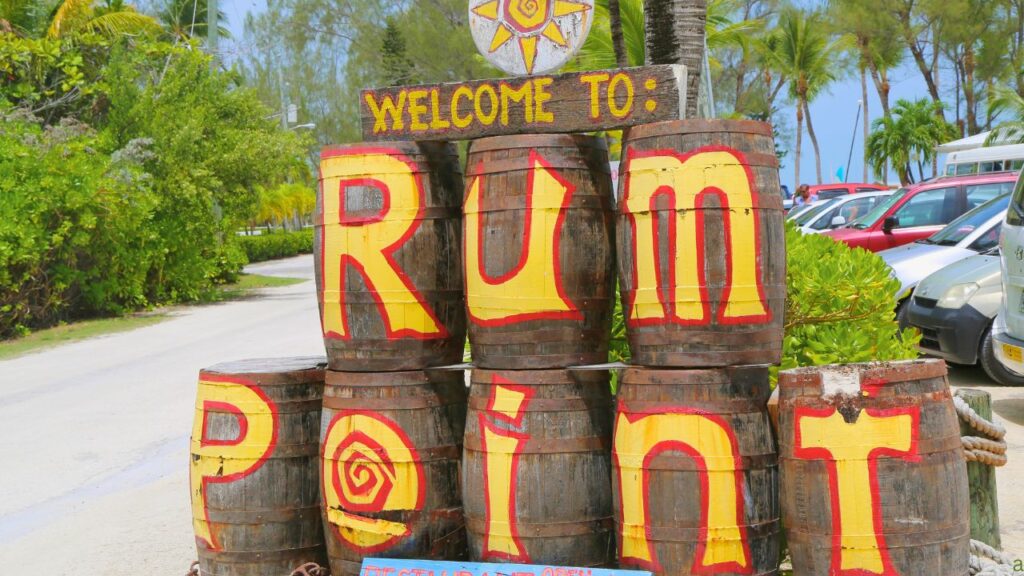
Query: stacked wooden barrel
[[253, 467], [389, 280], [539, 288], [702, 277]]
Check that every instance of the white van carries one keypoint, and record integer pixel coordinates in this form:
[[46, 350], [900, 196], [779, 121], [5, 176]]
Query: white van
[[986, 159], [1008, 329]]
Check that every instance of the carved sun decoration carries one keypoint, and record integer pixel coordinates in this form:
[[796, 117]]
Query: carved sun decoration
[[529, 36]]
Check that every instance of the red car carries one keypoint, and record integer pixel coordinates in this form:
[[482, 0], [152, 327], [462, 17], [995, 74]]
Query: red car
[[828, 191], [921, 210]]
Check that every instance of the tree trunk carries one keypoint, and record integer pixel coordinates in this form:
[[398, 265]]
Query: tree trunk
[[675, 35], [970, 100], [618, 43], [814, 140], [799, 139], [864, 101]]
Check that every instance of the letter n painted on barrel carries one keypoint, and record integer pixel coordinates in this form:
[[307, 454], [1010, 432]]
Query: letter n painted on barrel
[[676, 291], [710, 442], [852, 451], [390, 192]]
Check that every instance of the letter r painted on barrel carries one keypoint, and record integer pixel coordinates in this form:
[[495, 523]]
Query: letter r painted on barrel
[[676, 292], [533, 288], [366, 241], [852, 451], [711, 443], [217, 459]]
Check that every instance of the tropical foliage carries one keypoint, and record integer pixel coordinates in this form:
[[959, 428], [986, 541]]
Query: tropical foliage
[[907, 138]]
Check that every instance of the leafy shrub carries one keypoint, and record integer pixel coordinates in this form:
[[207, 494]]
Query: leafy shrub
[[839, 307], [277, 245]]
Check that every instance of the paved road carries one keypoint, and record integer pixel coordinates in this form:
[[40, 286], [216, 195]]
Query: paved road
[[94, 435]]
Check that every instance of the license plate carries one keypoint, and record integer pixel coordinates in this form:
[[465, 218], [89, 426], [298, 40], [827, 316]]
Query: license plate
[[1013, 353]]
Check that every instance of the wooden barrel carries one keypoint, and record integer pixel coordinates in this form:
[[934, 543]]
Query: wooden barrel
[[873, 474], [387, 253], [695, 472], [538, 251], [701, 244], [390, 448], [255, 496], [536, 482]]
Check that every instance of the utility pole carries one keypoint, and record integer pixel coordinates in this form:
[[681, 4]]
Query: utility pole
[[284, 97], [212, 26]]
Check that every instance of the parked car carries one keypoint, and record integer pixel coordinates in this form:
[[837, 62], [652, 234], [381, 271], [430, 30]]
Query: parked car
[[921, 210], [839, 211], [828, 191], [973, 233], [796, 211], [954, 309], [1008, 330], [787, 197]]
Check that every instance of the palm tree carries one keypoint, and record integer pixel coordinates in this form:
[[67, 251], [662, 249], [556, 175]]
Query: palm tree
[[801, 51], [1005, 99], [908, 136], [109, 18], [19, 16], [184, 19], [674, 34]]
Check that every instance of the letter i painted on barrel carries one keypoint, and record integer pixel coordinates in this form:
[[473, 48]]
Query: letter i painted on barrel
[[368, 243], [711, 442], [222, 460], [532, 290], [687, 180], [501, 445], [852, 451]]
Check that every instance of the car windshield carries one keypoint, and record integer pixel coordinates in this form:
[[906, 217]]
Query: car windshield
[[812, 212], [962, 227], [872, 216]]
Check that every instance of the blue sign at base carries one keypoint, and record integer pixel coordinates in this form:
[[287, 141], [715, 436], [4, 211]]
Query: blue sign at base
[[406, 567]]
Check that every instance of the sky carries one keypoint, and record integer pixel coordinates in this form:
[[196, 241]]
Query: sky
[[833, 113]]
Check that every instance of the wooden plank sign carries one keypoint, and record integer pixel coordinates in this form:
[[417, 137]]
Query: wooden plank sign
[[577, 102], [394, 567]]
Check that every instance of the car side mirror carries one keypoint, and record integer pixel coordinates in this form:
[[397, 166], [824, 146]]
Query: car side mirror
[[838, 221], [889, 223]]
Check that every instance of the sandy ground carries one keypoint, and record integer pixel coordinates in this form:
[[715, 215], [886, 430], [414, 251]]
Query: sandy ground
[[94, 435]]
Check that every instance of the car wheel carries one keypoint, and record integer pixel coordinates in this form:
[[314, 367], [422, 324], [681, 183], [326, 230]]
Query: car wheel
[[992, 367], [903, 313]]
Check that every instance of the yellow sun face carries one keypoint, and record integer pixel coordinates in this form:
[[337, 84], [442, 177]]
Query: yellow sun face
[[529, 36]]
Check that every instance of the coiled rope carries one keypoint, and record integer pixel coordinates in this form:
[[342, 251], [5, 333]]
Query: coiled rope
[[311, 569], [987, 561], [990, 448]]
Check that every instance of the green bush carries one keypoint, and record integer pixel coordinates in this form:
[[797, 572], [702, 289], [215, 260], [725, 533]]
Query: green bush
[[839, 307], [277, 245]]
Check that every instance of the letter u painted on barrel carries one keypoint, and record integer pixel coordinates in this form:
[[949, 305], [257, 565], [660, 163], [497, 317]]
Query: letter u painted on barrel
[[222, 460], [711, 443], [852, 451], [368, 243], [532, 289], [680, 294]]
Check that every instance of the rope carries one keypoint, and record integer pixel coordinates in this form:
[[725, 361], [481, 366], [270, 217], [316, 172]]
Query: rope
[[987, 561], [990, 447], [193, 570], [311, 569]]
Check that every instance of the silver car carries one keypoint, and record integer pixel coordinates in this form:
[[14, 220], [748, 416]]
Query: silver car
[[838, 211], [954, 310], [972, 233]]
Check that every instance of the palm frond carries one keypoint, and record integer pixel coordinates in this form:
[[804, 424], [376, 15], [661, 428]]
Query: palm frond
[[121, 23], [66, 13]]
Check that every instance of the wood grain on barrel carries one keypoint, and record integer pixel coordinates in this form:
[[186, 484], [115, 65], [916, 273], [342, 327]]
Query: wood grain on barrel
[[268, 521], [560, 509], [681, 473], [914, 492], [662, 333], [578, 259], [428, 261], [425, 412]]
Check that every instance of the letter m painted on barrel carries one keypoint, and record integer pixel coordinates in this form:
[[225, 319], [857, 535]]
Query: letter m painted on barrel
[[367, 243], [676, 291]]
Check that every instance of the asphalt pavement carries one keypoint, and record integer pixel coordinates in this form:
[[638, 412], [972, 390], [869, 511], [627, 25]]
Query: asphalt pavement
[[94, 434]]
